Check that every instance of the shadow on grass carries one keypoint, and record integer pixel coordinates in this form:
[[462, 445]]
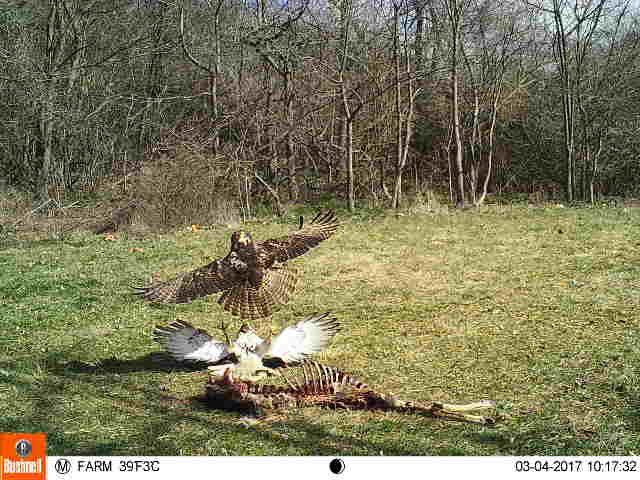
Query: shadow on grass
[[130, 407], [543, 435], [127, 407], [152, 362], [630, 413]]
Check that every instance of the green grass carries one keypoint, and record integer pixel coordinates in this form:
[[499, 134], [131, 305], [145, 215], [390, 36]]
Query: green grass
[[536, 308]]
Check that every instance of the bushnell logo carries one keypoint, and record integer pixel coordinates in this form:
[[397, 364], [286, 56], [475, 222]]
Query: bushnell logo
[[23, 456], [23, 448]]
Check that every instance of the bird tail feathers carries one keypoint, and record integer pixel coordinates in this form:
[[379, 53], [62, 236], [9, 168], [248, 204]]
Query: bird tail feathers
[[248, 302]]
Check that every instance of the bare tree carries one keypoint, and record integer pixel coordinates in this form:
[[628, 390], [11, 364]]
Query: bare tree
[[213, 73], [349, 114], [403, 120], [607, 74], [282, 59], [497, 42], [574, 25], [321, 92], [455, 10]]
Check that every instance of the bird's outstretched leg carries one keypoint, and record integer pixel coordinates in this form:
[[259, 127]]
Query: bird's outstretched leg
[[223, 327], [270, 329]]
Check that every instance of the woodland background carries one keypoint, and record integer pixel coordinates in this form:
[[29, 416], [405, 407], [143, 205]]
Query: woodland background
[[205, 114], [202, 107]]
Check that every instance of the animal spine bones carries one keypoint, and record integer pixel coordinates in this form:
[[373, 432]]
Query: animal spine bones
[[325, 386]]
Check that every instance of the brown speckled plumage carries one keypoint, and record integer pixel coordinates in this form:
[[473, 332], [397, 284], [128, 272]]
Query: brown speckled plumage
[[253, 278]]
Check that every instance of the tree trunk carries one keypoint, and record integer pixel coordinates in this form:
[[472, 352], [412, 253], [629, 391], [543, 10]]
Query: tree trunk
[[343, 140], [346, 12], [594, 170], [46, 129], [494, 114], [419, 39], [450, 170], [291, 154], [54, 43], [455, 18], [351, 190], [568, 143], [567, 101], [214, 81], [456, 129], [402, 150], [476, 141], [399, 166]]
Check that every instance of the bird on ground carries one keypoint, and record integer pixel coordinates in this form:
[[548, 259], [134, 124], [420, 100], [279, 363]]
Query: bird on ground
[[249, 357], [253, 277]]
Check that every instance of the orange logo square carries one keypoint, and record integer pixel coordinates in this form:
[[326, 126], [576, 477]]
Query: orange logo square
[[23, 456]]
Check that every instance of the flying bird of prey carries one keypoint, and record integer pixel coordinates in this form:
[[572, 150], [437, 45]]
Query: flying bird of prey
[[253, 277], [249, 356]]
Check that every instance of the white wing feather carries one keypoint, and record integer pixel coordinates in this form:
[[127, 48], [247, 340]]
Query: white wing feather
[[184, 342], [307, 337]]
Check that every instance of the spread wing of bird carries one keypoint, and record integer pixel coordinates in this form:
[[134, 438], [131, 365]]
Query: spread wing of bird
[[217, 276], [301, 241], [184, 342], [297, 342]]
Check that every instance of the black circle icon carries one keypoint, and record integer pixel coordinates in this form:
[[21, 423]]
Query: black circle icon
[[23, 448], [336, 466], [63, 466]]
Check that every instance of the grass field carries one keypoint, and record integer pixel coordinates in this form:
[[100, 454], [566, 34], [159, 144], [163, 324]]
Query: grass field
[[536, 308]]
